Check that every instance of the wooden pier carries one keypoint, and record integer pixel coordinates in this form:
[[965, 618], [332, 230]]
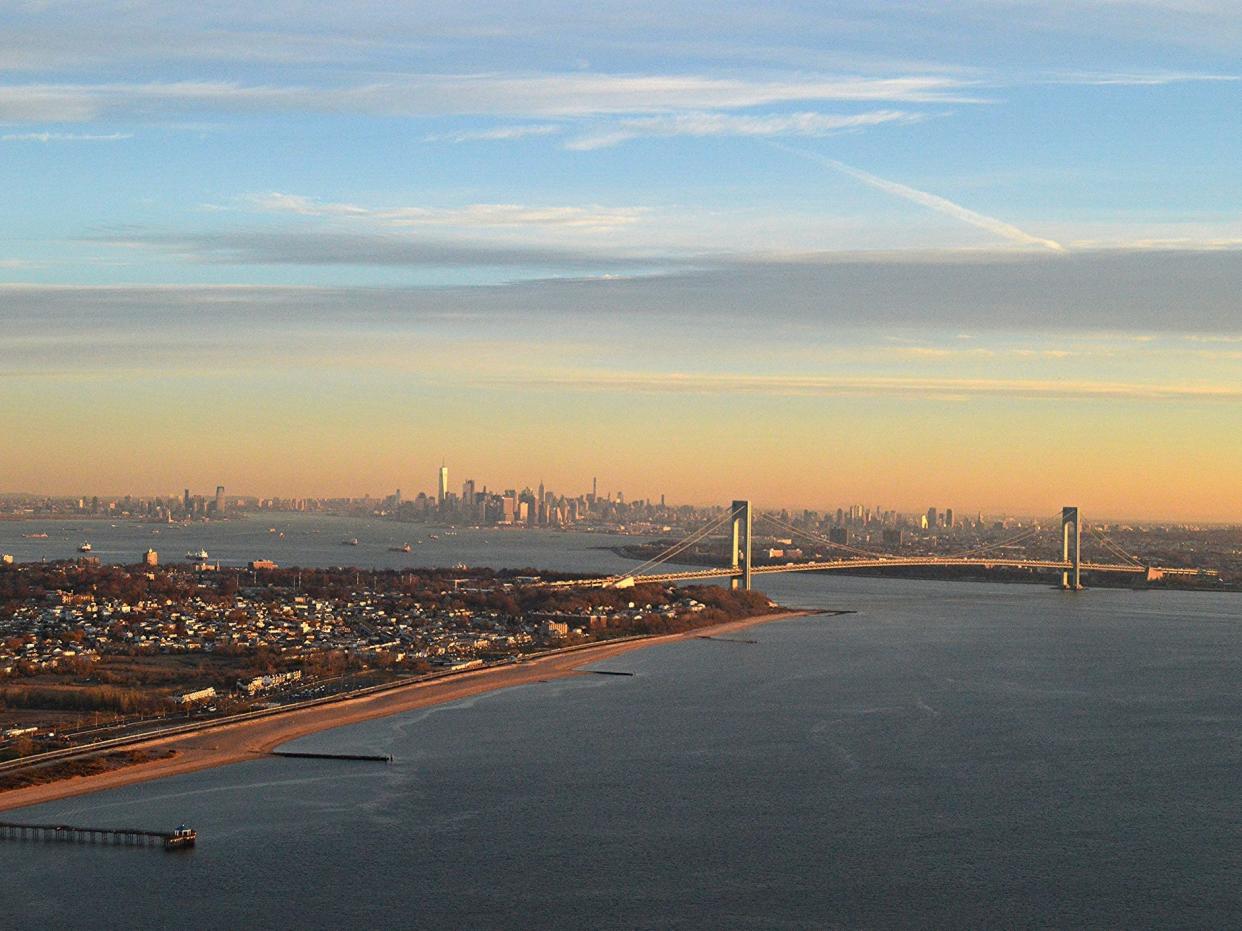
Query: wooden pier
[[125, 837]]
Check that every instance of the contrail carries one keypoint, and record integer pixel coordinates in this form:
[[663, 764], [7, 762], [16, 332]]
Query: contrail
[[934, 201]]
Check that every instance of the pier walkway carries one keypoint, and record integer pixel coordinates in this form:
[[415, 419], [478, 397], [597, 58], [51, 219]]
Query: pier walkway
[[127, 837]]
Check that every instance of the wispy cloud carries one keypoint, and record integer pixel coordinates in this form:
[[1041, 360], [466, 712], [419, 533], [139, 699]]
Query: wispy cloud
[[834, 385], [725, 124], [1138, 78], [1166, 244], [1105, 299], [592, 217], [979, 352], [559, 95], [64, 137], [372, 249], [932, 201], [498, 133]]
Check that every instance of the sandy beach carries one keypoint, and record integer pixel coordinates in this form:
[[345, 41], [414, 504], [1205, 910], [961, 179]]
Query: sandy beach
[[233, 743]]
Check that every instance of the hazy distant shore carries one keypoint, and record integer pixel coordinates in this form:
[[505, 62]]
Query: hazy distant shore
[[221, 745]]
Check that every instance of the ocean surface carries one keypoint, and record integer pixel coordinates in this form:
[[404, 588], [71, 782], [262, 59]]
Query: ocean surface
[[951, 755]]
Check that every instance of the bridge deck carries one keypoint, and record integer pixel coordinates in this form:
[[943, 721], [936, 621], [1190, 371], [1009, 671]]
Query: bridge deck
[[888, 562]]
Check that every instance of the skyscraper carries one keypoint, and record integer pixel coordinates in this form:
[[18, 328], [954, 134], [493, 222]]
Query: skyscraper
[[442, 490], [219, 499]]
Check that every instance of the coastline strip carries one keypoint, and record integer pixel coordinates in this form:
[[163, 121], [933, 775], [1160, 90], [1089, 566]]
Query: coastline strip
[[211, 746]]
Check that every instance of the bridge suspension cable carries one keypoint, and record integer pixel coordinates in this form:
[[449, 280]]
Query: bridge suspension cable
[[816, 537], [1027, 533], [1113, 547], [1023, 534], [700, 534]]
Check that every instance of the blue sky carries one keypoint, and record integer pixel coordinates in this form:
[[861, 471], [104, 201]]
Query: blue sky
[[625, 129], [922, 204]]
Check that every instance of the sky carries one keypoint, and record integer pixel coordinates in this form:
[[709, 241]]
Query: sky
[[980, 254]]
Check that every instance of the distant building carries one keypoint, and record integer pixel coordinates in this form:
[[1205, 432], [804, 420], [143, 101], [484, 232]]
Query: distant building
[[555, 629], [219, 499], [150, 558], [442, 488], [257, 564], [6, 559], [932, 518], [948, 517], [839, 534]]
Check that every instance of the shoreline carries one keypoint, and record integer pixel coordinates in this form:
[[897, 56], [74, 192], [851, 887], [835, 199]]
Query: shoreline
[[233, 743]]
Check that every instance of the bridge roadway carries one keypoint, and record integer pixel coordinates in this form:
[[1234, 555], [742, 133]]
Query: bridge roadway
[[879, 562]]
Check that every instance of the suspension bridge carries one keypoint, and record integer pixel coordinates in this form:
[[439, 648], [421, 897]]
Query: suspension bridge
[[737, 526]]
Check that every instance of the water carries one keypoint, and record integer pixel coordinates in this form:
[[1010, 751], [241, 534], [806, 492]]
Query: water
[[315, 540], [952, 755]]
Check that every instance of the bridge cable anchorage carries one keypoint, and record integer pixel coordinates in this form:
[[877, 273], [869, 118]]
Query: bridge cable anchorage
[[670, 552]]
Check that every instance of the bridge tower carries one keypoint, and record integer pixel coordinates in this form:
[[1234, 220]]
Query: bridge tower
[[1071, 548], [740, 560]]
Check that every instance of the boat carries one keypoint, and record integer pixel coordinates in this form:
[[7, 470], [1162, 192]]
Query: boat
[[435, 536], [352, 541], [404, 548], [85, 548], [35, 536], [200, 555]]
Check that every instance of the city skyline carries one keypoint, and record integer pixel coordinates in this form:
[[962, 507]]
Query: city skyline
[[443, 495], [987, 254]]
